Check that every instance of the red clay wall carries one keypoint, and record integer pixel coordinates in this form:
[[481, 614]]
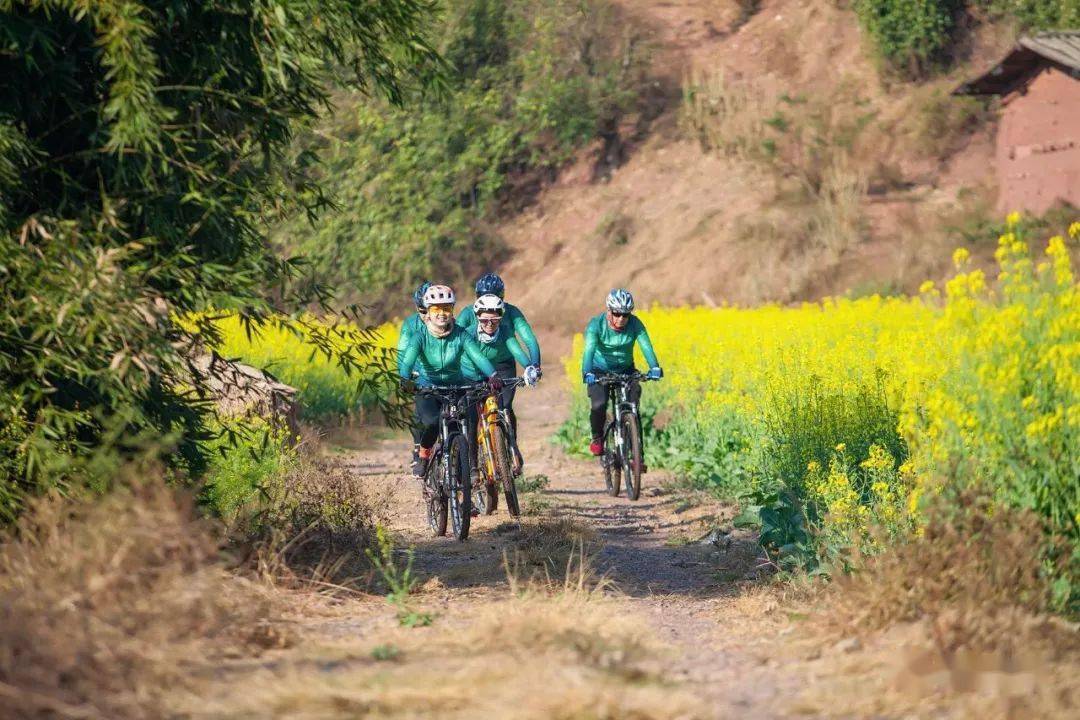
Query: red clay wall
[[1038, 144]]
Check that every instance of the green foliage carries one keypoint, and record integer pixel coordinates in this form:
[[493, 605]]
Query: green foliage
[[1036, 14], [144, 145], [415, 189], [400, 581], [911, 35], [914, 36], [246, 468], [806, 425]]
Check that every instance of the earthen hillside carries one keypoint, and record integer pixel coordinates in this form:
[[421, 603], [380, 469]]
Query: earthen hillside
[[837, 177]]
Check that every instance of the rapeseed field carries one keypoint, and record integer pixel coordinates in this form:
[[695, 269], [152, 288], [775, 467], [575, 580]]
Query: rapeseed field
[[838, 422], [326, 387]]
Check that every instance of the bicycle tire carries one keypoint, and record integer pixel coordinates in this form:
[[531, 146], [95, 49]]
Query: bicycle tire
[[610, 461], [435, 498], [631, 450], [460, 489], [504, 469]]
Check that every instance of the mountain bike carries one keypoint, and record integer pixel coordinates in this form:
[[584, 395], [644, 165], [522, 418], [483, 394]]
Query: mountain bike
[[622, 456], [495, 442], [447, 484]]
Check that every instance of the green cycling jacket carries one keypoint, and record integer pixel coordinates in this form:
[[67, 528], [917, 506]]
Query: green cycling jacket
[[505, 348], [413, 324], [513, 318], [449, 360], [607, 349]]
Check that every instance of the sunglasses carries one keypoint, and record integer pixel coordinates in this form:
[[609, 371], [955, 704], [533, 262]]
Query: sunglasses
[[619, 314], [489, 321], [445, 309]]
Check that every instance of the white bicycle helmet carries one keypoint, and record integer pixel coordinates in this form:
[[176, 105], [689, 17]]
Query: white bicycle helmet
[[620, 301], [490, 304], [439, 295]]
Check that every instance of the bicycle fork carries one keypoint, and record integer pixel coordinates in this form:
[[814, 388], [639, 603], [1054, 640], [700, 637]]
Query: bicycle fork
[[489, 416]]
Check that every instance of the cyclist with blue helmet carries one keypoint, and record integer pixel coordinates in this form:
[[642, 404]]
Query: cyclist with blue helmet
[[492, 284], [515, 324], [443, 354], [499, 345], [609, 347], [412, 325]]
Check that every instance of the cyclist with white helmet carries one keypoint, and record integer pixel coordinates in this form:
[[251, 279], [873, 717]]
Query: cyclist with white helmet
[[609, 347], [502, 348], [413, 325], [443, 354], [492, 284]]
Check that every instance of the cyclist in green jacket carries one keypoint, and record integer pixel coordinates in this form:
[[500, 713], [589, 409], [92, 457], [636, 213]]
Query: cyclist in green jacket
[[502, 348], [609, 347], [441, 354], [412, 325], [492, 284]]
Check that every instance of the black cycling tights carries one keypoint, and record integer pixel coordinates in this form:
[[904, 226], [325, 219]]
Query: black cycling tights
[[598, 406]]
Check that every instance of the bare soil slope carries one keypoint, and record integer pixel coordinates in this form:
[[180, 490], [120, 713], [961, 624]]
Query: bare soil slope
[[670, 222]]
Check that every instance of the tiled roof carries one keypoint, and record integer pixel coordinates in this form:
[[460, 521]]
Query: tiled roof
[[1061, 48]]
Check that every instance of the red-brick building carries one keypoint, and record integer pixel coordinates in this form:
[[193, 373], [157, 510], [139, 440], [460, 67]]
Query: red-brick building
[[1038, 140]]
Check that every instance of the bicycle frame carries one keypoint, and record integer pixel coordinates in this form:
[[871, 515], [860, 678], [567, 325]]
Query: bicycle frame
[[452, 421], [618, 387], [492, 413]]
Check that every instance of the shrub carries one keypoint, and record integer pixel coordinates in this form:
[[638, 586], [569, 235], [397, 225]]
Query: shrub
[[247, 469], [911, 35], [143, 151]]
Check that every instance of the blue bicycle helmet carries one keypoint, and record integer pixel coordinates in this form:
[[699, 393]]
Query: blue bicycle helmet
[[620, 301], [490, 284], [418, 296]]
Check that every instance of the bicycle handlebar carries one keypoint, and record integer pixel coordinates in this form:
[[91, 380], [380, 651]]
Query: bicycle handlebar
[[617, 378]]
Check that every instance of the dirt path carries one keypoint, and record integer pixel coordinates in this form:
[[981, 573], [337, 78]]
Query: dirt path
[[671, 621]]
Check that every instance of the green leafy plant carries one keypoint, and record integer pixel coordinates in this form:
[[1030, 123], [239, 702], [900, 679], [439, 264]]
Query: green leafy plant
[[912, 36], [399, 581]]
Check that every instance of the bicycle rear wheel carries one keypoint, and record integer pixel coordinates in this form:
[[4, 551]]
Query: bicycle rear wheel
[[610, 459], [460, 486], [434, 498], [631, 454], [504, 469]]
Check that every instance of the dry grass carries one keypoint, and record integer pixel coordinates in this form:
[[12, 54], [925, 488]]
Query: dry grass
[[961, 616], [106, 604], [314, 535], [552, 543], [969, 569], [570, 655], [726, 116]]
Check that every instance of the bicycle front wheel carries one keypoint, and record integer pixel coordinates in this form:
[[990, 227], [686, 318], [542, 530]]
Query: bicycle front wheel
[[460, 486], [631, 454], [504, 469], [611, 460], [434, 498]]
